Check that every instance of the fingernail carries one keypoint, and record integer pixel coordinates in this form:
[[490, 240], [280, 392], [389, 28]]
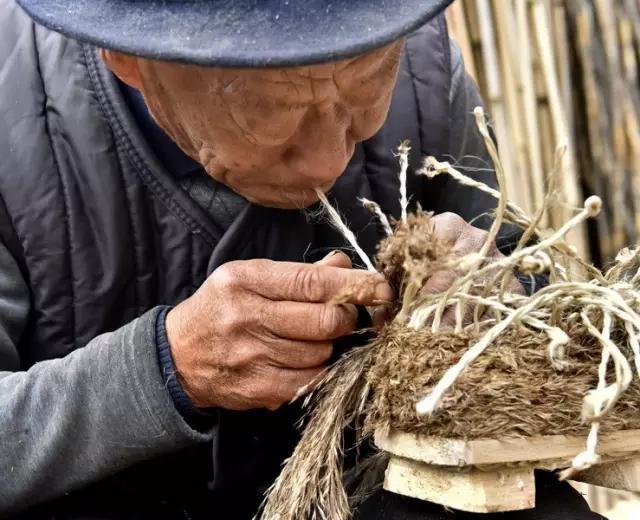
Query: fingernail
[[333, 253], [326, 257], [379, 316]]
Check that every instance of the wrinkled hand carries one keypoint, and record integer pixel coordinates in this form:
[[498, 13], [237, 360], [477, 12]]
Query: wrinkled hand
[[464, 239], [257, 332]]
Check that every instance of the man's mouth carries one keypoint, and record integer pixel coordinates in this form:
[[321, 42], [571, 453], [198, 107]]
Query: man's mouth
[[306, 196]]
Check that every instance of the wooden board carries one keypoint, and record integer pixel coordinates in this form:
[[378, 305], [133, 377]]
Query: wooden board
[[468, 489], [458, 452], [494, 490]]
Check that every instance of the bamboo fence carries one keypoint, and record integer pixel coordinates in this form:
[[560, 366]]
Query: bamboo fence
[[563, 72]]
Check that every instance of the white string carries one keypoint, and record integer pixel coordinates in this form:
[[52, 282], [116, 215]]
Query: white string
[[591, 209], [337, 221], [403, 152], [558, 340]]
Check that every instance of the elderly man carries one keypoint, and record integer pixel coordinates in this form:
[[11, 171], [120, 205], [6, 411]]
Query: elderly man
[[162, 296]]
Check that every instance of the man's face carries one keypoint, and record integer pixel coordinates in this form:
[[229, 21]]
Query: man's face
[[271, 135]]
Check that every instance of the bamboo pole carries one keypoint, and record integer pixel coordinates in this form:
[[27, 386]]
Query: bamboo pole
[[518, 177], [598, 132], [494, 86], [529, 104], [456, 19], [632, 9], [631, 108], [632, 105], [605, 17], [561, 49], [569, 178], [473, 26]]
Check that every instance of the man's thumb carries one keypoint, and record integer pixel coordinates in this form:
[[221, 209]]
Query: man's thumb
[[336, 259]]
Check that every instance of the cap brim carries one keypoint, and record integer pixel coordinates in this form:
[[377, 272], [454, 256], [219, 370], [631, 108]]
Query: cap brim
[[236, 33]]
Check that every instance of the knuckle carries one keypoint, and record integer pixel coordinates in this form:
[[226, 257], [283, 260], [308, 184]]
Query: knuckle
[[449, 226], [240, 357], [329, 320], [280, 355], [478, 236], [226, 324], [471, 240], [230, 320], [448, 217], [306, 282], [228, 276], [260, 265], [264, 315]]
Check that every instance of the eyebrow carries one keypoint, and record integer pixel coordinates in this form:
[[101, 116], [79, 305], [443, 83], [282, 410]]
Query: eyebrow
[[384, 69]]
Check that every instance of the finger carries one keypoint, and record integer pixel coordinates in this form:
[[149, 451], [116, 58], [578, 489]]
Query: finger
[[288, 384], [309, 321], [448, 226], [290, 281], [380, 315], [449, 318], [472, 240], [309, 387], [287, 353], [336, 259], [464, 237], [439, 282], [469, 240]]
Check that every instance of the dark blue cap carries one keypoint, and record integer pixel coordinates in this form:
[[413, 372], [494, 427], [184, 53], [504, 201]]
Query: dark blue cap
[[236, 33]]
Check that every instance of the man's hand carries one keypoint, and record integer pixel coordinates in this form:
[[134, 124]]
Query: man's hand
[[464, 239], [257, 332]]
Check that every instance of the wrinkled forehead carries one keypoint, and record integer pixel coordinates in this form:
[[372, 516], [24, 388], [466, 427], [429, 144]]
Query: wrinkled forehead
[[359, 66], [362, 64]]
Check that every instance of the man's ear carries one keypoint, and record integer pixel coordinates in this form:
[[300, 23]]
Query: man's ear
[[124, 66]]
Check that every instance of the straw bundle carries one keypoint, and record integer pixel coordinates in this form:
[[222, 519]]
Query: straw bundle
[[558, 361]]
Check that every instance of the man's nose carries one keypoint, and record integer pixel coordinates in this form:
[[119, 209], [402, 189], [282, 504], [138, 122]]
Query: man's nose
[[321, 152], [318, 165]]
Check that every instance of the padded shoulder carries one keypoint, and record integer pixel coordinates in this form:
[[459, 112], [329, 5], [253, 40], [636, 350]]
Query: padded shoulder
[[428, 62]]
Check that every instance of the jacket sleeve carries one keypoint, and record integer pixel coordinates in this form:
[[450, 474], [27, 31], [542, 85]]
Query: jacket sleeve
[[68, 422]]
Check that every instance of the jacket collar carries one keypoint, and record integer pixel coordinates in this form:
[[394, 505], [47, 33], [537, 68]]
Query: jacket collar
[[174, 159]]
